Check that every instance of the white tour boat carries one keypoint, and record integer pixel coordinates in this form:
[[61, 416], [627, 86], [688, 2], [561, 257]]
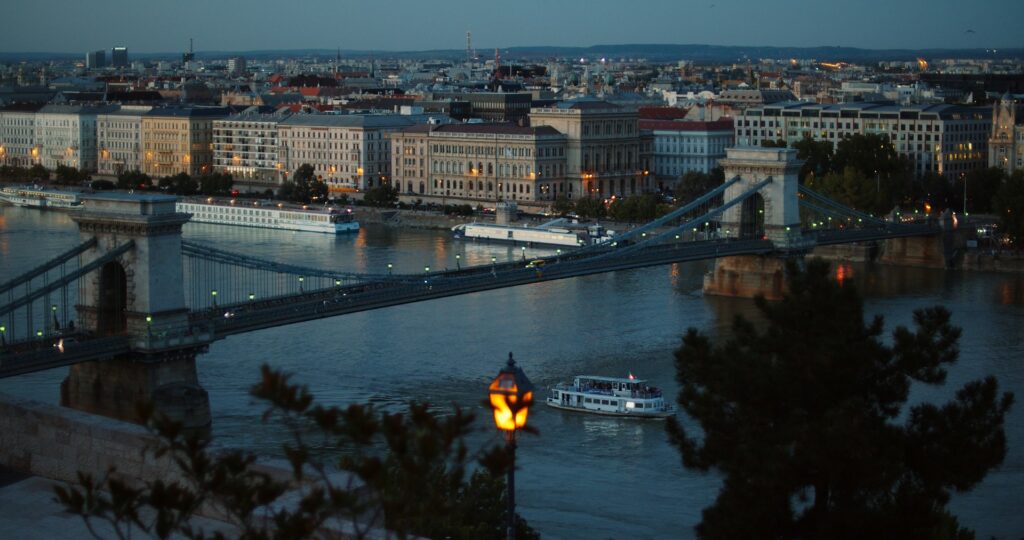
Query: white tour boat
[[271, 216], [613, 396], [558, 232], [39, 197]]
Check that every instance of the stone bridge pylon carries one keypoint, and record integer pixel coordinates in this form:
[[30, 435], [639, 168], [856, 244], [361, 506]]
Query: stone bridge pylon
[[772, 213], [140, 294]]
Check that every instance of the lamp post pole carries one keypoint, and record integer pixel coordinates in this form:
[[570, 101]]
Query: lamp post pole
[[510, 444], [965, 195]]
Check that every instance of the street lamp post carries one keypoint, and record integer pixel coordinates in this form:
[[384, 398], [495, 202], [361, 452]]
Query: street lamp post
[[511, 394], [213, 294], [458, 264], [965, 193]]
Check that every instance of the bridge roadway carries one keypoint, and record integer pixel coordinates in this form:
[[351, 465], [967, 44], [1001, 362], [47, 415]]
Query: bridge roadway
[[209, 325]]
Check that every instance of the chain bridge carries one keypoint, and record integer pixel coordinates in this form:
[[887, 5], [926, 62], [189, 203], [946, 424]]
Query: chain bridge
[[132, 305]]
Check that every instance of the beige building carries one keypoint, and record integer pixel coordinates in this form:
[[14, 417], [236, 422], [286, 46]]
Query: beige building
[[605, 153], [484, 162], [179, 140], [119, 140], [1006, 144], [349, 152]]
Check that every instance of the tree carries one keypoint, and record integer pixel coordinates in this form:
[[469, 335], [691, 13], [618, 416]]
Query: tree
[[562, 205], [38, 172], [817, 156], [807, 421], [133, 180], [982, 186], [590, 207], [216, 184], [69, 175], [179, 184], [868, 153], [693, 184], [410, 473], [1009, 205], [777, 143], [383, 196], [304, 187], [102, 185]]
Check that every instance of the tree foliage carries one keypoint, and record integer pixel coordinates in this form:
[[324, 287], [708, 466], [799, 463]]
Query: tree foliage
[[591, 207], [216, 184], [69, 175], [693, 184], [1008, 204], [304, 187], [982, 186], [806, 419], [134, 180], [562, 205], [382, 196], [410, 473], [38, 172], [179, 184], [644, 207], [817, 157]]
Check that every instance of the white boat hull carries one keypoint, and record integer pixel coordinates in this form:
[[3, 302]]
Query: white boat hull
[[287, 219], [654, 415]]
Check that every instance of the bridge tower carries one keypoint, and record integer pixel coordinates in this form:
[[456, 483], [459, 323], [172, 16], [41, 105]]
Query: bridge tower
[[140, 294], [772, 213]]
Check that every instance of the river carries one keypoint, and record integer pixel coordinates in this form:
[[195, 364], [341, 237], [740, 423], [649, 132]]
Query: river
[[583, 476]]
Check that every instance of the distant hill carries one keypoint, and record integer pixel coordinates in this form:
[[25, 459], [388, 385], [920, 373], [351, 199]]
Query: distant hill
[[652, 52]]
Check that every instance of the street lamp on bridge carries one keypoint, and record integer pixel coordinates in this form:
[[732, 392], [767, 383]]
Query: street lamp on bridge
[[511, 394]]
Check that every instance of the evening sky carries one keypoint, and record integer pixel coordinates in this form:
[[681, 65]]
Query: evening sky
[[405, 25]]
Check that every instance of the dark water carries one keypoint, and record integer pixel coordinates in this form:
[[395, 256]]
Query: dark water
[[584, 476]]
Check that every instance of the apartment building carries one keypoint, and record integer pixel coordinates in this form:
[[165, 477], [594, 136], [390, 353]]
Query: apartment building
[[119, 140], [247, 147], [179, 140], [483, 162], [349, 152], [17, 135], [944, 139], [66, 135]]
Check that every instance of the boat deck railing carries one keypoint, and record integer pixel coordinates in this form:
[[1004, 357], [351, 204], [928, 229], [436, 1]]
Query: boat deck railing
[[639, 394]]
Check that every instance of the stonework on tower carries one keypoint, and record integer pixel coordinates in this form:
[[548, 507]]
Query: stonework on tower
[[139, 295]]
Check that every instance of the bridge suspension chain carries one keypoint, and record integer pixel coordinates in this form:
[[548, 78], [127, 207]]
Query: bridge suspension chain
[[238, 259], [839, 206], [682, 227], [59, 260], [677, 213]]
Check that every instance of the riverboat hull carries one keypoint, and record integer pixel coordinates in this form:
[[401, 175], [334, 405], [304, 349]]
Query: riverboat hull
[[655, 415]]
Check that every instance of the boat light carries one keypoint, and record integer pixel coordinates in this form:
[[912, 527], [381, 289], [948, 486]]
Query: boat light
[[630, 405]]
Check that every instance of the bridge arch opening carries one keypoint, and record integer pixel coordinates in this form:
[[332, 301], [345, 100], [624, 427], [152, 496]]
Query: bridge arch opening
[[752, 217], [112, 305]]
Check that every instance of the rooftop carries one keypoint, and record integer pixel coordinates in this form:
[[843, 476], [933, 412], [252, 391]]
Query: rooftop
[[489, 128], [349, 120]]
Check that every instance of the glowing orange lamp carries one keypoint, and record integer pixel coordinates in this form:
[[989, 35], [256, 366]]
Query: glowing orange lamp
[[511, 395]]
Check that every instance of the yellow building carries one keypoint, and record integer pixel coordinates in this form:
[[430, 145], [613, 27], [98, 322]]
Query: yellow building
[[179, 140]]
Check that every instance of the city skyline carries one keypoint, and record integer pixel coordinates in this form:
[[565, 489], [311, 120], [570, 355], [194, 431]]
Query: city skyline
[[321, 24]]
